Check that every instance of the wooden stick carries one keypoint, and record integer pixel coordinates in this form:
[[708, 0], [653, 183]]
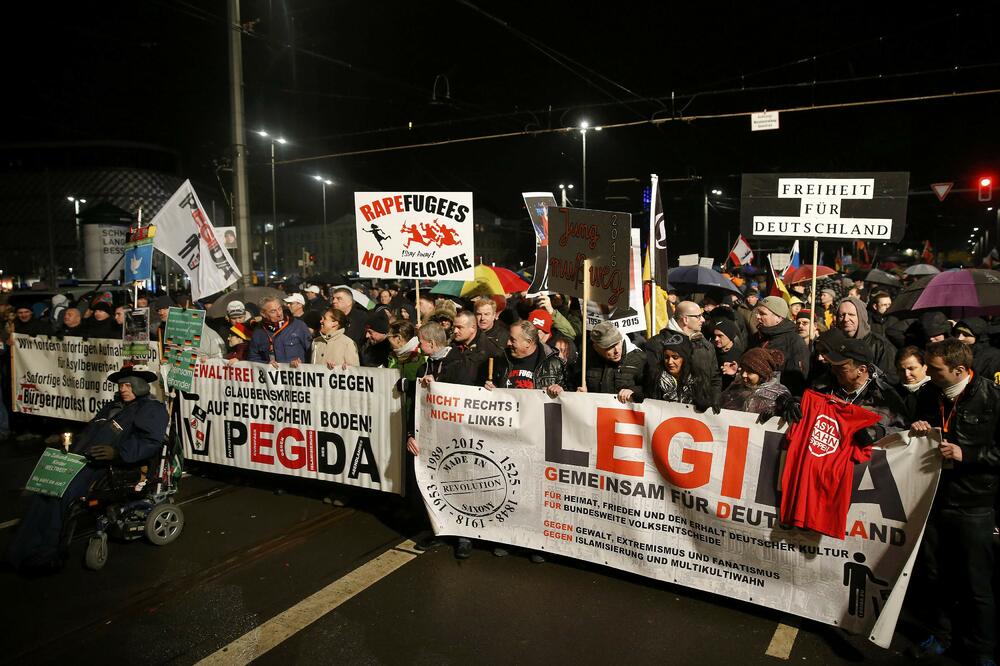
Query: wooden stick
[[812, 297], [418, 302], [489, 371], [583, 307]]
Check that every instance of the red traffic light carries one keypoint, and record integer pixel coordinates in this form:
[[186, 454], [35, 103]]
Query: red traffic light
[[312, 257], [985, 188]]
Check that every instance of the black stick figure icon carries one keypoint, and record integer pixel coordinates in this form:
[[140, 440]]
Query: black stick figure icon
[[378, 234], [856, 577]]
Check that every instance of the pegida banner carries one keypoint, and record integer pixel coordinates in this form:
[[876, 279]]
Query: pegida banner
[[333, 425], [662, 491]]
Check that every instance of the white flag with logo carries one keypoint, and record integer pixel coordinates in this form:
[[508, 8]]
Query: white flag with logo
[[185, 234], [741, 253]]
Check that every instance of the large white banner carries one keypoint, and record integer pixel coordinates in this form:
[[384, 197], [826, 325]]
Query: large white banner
[[334, 425], [662, 491], [415, 235], [185, 234], [66, 378]]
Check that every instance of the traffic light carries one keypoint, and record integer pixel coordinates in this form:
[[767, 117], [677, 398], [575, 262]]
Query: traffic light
[[986, 188]]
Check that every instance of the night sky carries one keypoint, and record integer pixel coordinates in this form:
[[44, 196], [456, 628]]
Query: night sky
[[343, 76]]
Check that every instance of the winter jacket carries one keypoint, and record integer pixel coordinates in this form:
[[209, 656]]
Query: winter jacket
[[630, 372], [376, 354], [335, 348], [783, 337], [704, 357], [975, 427], [878, 396], [760, 399], [549, 370], [479, 351], [357, 320], [985, 358], [293, 341], [451, 367], [883, 351]]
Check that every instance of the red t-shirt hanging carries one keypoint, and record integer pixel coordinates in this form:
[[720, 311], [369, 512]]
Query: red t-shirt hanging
[[819, 467]]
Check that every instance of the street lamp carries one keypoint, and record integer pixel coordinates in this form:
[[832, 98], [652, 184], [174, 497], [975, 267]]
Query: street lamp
[[76, 201], [584, 126], [274, 197], [565, 198], [324, 182]]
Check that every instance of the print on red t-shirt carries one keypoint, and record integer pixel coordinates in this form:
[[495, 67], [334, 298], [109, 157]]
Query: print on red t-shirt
[[819, 468]]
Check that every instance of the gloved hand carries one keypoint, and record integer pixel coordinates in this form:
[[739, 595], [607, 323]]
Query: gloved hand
[[702, 407], [764, 417], [790, 410], [102, 452], [401, 385]]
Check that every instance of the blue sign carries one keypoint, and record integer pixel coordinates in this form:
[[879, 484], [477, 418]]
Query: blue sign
[[139, 262]]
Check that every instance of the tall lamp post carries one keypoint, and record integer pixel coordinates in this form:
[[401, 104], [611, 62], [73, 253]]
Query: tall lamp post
[[274, 197], [563, 189], [76, 201], [584, 126], [324, 182]]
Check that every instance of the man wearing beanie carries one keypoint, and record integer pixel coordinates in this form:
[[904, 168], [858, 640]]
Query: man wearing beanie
[[852, 319], [725, 337], [101, 323], [376, 351], [776, 331], [974, 331]]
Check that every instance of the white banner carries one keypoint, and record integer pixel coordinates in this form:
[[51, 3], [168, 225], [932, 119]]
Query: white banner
[[185, 234], [415, 235], [334, 425], [67, 378], [661, 491]]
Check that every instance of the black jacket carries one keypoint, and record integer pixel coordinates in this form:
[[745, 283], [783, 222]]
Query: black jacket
[[975, 428], [603, 376], [479, 351], [454, 368], [356, 323], [549, 370], [783, 337]]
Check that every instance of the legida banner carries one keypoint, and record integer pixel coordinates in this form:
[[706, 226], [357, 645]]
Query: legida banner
[[333, 425], [415, 235], [662, 491], [824, 206], [538, 205], [576, 234], [67, 378]]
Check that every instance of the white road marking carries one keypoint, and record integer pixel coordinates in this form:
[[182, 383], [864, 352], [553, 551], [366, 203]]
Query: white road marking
[[782, 641], [285, 625], [9, 523]]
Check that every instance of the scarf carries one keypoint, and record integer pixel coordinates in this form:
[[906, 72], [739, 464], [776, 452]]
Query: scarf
[[440, 353], [408, 348], [955, 390], [912, 388]]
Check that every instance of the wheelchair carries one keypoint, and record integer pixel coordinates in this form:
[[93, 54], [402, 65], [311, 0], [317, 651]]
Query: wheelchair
[[129, 504]]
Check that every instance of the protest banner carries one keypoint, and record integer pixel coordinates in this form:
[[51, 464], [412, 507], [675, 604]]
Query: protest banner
[[334, 425], [54, 472], [186, 235], [662, 491], [629, 319], [139, 255], [538, 205], [824, 206], [415, 235], [603, 237], [67, 378]]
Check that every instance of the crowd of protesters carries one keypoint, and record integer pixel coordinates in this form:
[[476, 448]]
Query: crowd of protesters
[[719, 350]]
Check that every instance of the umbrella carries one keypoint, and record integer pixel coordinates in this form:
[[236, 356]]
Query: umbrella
[[509, 280], [905, 299], [922, 269], [489, 281], [969, 292], [246, 295], [804, 273], [878, 276], [359, 298], [696, 279], [448, 288]]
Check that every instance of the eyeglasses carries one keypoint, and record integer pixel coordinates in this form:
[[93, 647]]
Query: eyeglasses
[[700, 315]]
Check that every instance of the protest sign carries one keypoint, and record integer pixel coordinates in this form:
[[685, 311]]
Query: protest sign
[[538, 205], [576, 234], [415, 235], [139, 255], [334, 425], [629, 319], [54, 472], [136, 345], [824, 206], [186, 235], [67, 378], [181, 339], [662, 491]]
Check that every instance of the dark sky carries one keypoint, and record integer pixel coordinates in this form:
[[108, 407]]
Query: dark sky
[[337, 76]]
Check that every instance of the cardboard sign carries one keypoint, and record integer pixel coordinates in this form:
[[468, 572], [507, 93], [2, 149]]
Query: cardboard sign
[[415, 235], [136, 346], [603, 237], [54, 472], [825, 206]]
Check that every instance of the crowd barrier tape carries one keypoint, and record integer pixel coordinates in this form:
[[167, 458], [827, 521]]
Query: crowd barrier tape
[[662, 491]]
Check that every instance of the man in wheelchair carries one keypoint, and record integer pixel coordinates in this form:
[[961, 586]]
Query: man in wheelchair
[[124, 435]]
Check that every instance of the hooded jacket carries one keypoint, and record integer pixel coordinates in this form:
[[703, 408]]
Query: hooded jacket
[[985, 357], [783, 337], [883, 351]]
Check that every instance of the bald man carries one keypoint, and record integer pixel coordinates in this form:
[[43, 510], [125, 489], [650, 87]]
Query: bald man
[[688, 319]]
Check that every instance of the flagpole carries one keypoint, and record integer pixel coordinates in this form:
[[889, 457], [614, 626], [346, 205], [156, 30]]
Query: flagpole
[[812, 295], [651, 247]]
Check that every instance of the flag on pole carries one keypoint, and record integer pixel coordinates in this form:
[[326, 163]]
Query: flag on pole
[[656, 267], [838, 261], [794, 261], [861, 249], [741, 254], [185, 234], [777, 285], [927, 256]]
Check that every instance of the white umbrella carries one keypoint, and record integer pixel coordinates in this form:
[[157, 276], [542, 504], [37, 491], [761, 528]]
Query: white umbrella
[[918, 270], [359, 298]]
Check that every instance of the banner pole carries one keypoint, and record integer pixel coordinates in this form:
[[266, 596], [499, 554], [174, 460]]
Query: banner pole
[[489, 370], [651, 249], [583, 307], [417, 282], [812, 295]]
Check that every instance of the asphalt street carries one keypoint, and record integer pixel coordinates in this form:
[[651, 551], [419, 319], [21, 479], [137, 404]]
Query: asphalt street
[[267, 571]]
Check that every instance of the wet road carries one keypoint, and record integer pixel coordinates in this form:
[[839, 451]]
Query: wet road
[[286, 578]]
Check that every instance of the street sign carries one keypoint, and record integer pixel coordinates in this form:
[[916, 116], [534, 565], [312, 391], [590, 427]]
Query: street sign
[[825, 206], [941, 190]]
